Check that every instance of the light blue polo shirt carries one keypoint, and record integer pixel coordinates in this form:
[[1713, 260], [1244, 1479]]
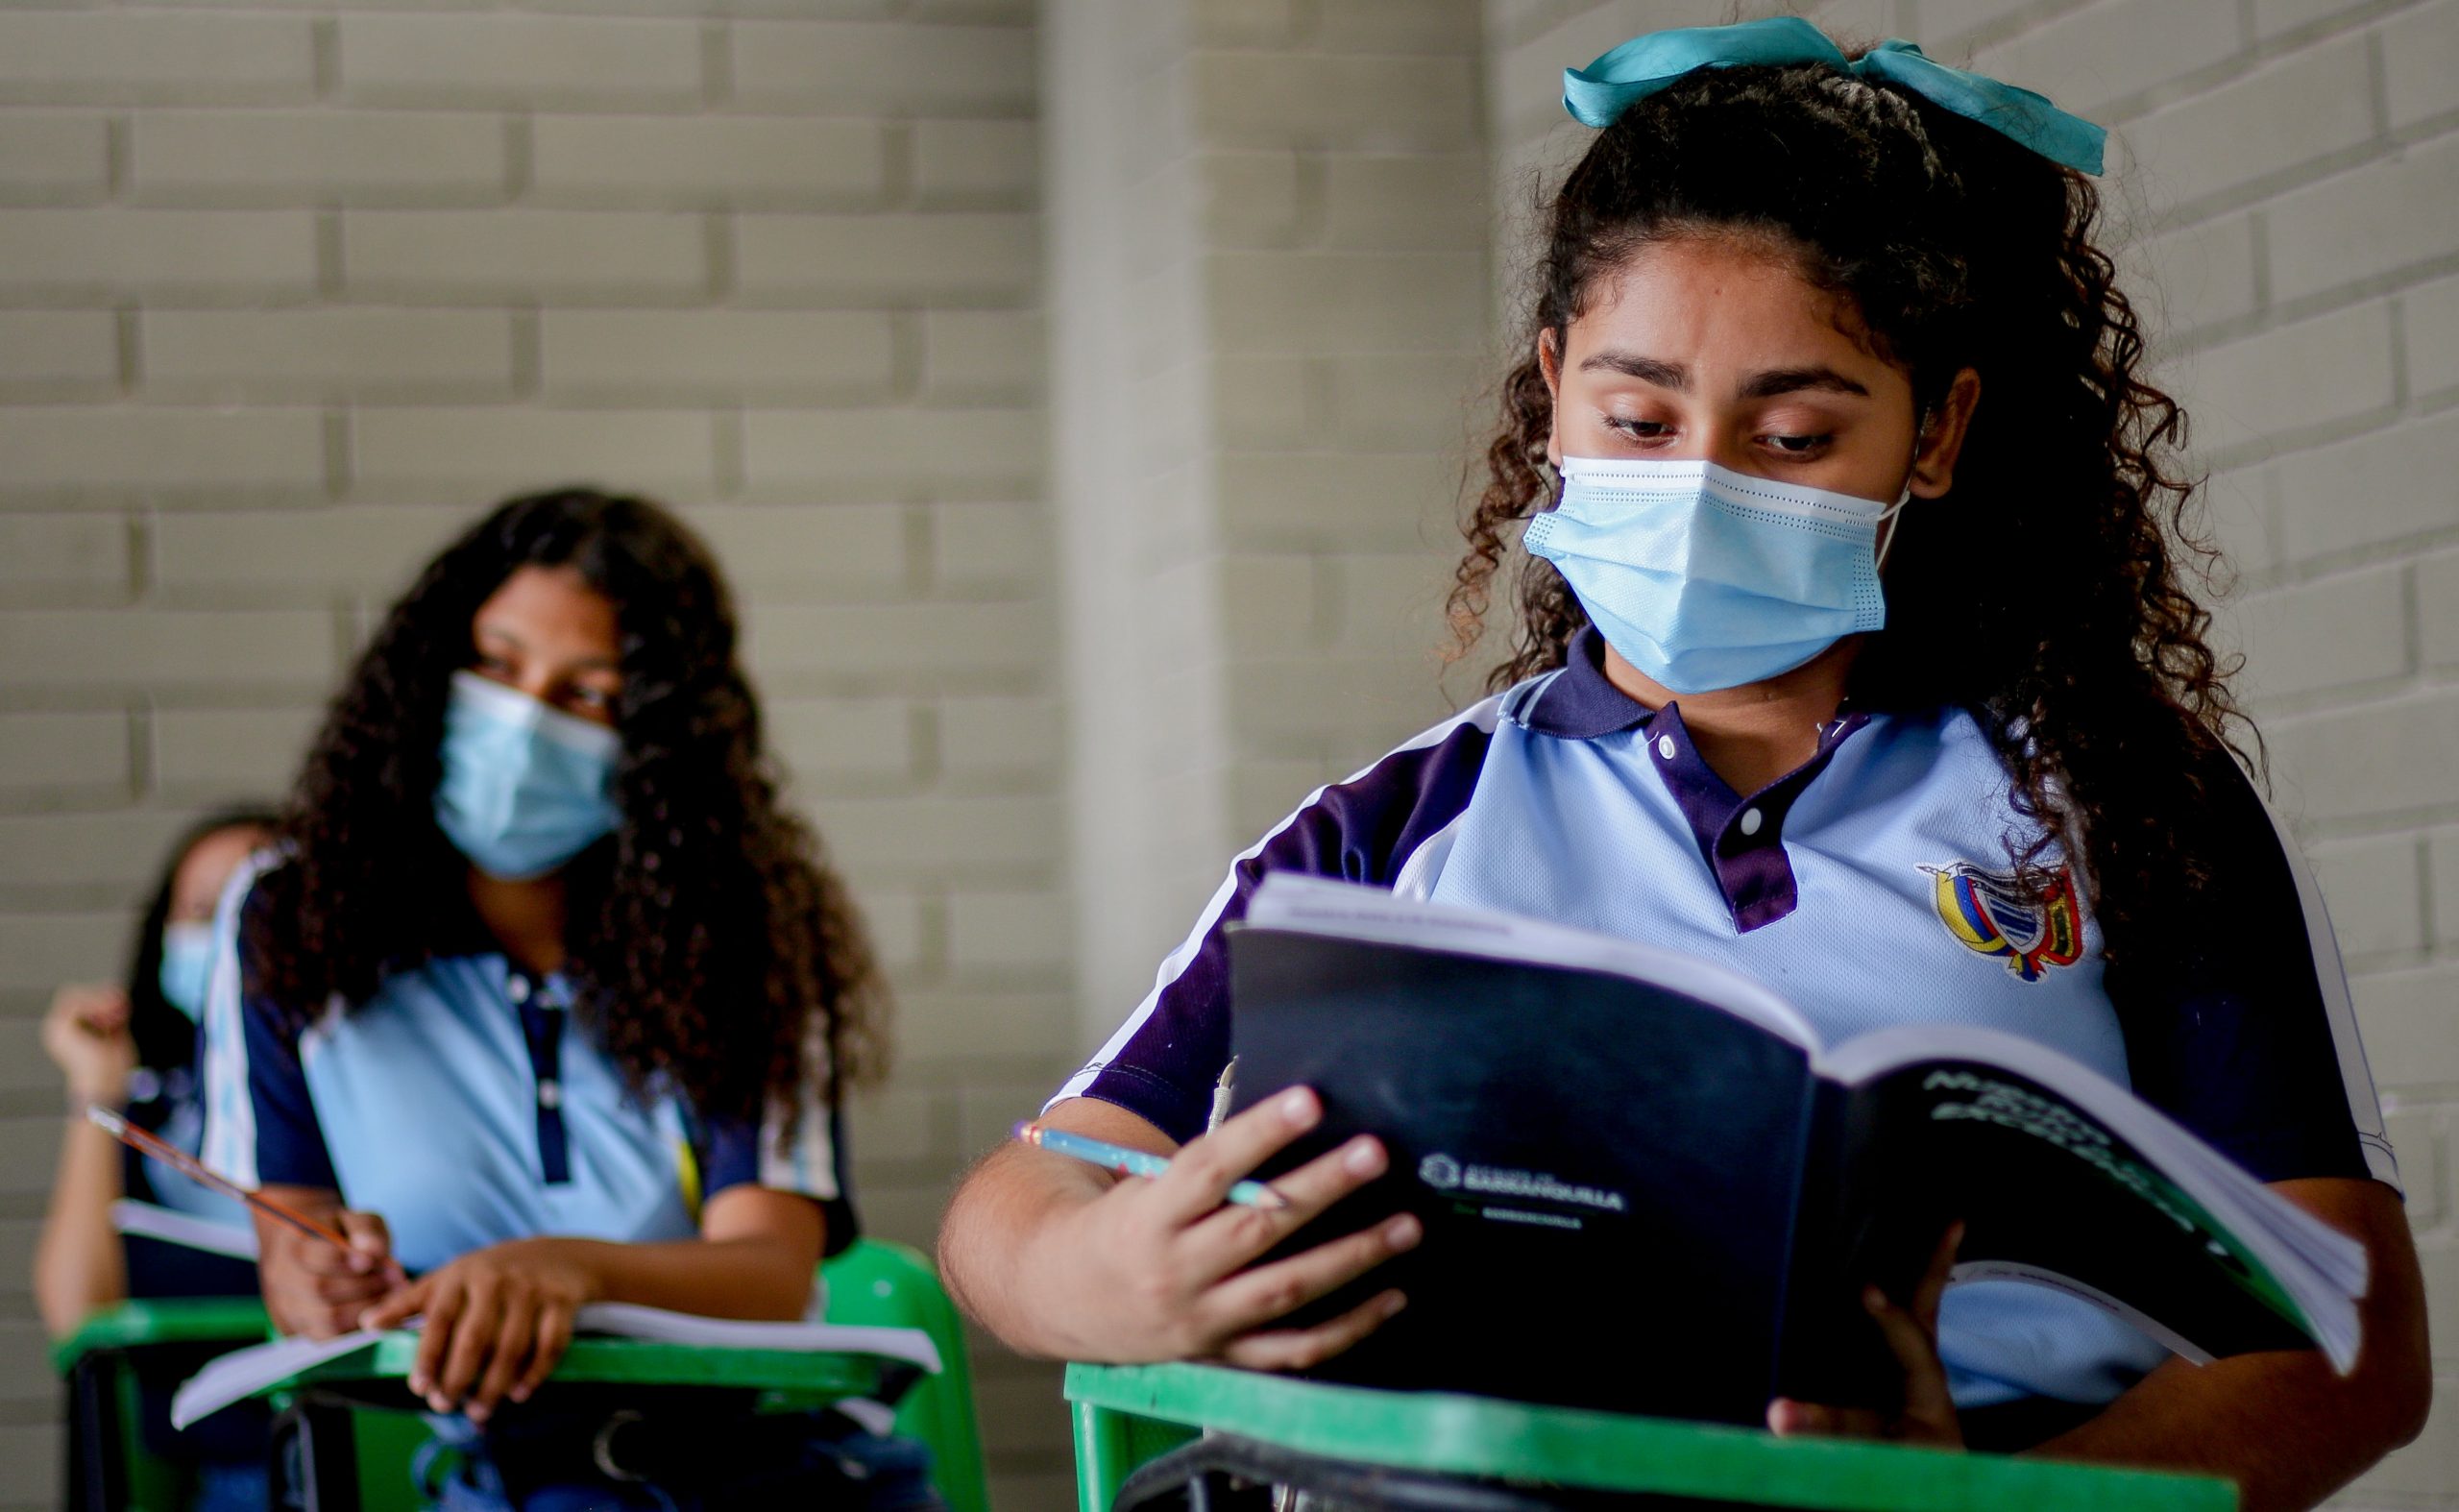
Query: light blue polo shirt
[[463, 1104], [1871, 887]]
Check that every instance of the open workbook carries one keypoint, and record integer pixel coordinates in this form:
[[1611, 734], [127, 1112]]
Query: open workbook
[[244, 1373], [1649, 1187]]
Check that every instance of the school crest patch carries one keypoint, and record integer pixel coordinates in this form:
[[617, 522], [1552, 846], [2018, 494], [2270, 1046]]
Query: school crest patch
[[1986, 913]]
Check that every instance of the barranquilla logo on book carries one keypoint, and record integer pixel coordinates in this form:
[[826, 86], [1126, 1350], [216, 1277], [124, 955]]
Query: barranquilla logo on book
[[1986, 911], [1445, 1174]]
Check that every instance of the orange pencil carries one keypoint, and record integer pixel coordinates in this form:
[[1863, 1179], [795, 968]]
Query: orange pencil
[[196, 1170]]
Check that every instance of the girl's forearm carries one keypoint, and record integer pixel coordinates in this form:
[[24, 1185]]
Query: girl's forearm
[[2284, 1426], [988, 1237], [79, 1265], [751, 1276], [2278, 1425]]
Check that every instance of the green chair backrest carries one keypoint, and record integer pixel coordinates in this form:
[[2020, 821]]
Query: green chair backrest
[[881, 1283], [107, 1339]]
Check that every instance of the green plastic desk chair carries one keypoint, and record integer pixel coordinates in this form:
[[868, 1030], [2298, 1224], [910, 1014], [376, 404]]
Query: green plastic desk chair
[[1430, 1449], [319, 1429], [108, 1363], [885, 1284], [354, 1429]]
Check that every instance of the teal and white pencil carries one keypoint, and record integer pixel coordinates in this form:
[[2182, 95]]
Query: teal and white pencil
[[1125, 1161]]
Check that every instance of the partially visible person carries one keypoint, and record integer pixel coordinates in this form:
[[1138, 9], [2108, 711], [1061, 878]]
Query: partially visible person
[[133, 1048]]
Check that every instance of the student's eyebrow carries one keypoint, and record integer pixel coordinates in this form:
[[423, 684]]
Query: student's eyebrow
[[1647, 370], [1794, 380], [586, 663], [1768, 384]]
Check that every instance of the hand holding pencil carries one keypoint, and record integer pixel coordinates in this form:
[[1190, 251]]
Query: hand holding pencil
[[320, 1265], [1169, 1263]]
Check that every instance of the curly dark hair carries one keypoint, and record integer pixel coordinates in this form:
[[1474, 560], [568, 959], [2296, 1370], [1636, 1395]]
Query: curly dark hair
[[713, 951], [2058, 603]]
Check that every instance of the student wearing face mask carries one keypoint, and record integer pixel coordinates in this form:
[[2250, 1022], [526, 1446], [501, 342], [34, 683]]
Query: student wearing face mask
[[132, 1049], [547, 1001], [1855, 648]]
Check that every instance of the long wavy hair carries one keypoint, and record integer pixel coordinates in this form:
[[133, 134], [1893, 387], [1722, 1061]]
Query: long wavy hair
[[2052, 591], [713, 951]]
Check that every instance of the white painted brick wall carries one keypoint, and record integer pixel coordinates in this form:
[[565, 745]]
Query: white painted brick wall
[[289, 292]]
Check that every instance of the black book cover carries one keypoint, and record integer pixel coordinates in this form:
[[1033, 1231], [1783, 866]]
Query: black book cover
[[1638, 1201], [1606, 1169]]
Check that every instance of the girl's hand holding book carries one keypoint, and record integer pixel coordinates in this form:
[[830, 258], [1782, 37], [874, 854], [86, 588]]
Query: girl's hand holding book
[[1928, 1415], [1155, 1270]]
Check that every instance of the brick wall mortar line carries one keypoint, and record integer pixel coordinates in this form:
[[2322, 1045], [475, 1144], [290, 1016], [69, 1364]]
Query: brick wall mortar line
[[116, 150], [338, 459], [729, 464], [128, 340], [2424, 857], [331, 267], [2288, 443], [717, 230], [2377, 83], [140, 747], [900, 176], [2269, 187], [529, 357], [520, 155], [1957, 48], [325, 41], [716, 62]]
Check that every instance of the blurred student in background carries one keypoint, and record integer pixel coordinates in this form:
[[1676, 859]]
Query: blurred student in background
[[548, 1002], [132, 1049]]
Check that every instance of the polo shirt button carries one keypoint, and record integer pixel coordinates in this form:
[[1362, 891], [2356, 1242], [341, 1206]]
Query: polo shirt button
[[517, 989], [1750, 822], [550, 1094], [1664, 747]]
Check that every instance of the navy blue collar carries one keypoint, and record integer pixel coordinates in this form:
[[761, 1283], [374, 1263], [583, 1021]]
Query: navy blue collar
[[1580, 702]]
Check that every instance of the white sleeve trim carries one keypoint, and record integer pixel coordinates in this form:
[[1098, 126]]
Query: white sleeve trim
[[2330, 976], [229, 1140], [807, 1163]]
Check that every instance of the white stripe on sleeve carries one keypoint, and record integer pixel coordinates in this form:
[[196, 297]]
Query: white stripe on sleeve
[[2364, 1104]]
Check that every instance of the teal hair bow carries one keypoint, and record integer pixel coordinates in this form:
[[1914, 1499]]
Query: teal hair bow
[[1597, 94]]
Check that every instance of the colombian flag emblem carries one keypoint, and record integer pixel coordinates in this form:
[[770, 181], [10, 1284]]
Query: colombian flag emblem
[[1987, 913]]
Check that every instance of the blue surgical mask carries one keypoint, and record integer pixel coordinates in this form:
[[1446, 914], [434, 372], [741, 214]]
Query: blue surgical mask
[[525, 788], [187, 966], [1706, 578]]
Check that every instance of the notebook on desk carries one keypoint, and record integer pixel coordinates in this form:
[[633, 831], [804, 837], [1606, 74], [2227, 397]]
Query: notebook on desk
[[244, 1373]]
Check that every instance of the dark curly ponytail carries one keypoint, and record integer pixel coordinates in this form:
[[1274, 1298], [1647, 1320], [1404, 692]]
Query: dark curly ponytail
[[2056, 603], [715, 952]]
